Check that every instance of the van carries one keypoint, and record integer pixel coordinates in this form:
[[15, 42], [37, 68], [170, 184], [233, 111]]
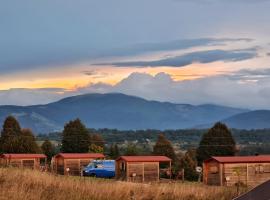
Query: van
[[100, 169]]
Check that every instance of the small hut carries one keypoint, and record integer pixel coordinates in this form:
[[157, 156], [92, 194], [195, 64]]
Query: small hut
[[227, 171], [73, 163], [32, 161], [140, 168]]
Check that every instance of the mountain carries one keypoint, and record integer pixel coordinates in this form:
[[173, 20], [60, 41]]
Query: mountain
[[259, 119], [116, 111]]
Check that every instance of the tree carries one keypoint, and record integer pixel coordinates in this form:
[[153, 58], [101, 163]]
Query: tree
[[163, 147], [97, 140], [96, 149], [218, 141], [10, 135], [27, 142], [48, 149], [189, 164], [131, 150], [114, 151], [75, 138]]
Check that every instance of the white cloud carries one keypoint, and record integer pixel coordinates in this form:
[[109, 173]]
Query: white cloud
[[245, 89]]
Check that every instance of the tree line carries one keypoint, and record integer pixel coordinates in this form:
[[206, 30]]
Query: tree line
[[76, 138]]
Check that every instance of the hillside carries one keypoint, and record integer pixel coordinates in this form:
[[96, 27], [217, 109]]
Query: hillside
[[116, 111], [259, 119], [27, 184]]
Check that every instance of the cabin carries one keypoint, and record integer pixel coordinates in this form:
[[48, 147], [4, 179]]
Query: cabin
[[140, 168], [228, 171], [73, 163], [32, 161]]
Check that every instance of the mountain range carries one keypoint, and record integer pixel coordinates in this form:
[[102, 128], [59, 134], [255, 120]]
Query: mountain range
[[121, 111]]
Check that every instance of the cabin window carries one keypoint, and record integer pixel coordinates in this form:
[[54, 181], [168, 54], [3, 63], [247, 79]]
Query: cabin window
[[213, 169], [259, 169]]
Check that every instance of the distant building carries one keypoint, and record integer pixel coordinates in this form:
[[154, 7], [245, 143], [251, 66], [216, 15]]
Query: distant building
[[73, 163], [140, 168], [32, 161], [227, 171]]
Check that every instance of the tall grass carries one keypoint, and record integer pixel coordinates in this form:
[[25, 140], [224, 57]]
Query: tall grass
[[19, 184]]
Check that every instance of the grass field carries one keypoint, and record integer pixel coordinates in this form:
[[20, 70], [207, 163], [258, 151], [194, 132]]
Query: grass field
[[31, 185]]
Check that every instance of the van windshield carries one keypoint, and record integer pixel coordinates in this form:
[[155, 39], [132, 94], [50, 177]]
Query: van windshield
[[90, 165]]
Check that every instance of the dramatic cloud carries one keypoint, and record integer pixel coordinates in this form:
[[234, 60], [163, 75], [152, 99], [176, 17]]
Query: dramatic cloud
[[245, 89], [49, 34], [41, 58], [189, 58]]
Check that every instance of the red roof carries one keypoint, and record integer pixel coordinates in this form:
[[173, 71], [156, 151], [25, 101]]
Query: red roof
[[80, 155], [22, 155], [241, 159], [144, 158]]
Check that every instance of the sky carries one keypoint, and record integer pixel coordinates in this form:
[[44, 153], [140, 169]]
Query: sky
[[181, 51]]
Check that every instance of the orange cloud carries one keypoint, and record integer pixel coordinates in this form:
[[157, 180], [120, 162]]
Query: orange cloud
[[75, 76]]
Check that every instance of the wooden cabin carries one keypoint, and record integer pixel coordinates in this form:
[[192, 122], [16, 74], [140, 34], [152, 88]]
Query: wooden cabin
[[32, 161], [73, 163], [140, 168], [228, 171]]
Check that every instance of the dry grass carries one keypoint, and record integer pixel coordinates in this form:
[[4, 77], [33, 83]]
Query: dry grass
[[31, 185]]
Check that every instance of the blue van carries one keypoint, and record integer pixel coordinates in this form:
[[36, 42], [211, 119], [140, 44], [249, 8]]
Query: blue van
[[100, 169]]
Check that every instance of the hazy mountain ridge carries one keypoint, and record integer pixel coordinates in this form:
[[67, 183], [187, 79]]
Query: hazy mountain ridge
[[119, 111], [258, 119]]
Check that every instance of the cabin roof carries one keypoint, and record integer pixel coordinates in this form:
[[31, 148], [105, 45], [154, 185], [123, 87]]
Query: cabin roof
[[80, 155], [240, 159], [144, 158], [21, 155]]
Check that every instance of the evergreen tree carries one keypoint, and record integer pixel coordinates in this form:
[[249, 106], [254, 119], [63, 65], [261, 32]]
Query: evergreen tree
[[10, 135], [27, 142], [48, 149], [218, 141], [114, 151], [163, 147], [75, 138], [189, 164]]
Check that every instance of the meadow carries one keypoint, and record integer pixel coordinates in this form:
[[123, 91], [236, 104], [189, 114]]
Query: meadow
[[26, 184]]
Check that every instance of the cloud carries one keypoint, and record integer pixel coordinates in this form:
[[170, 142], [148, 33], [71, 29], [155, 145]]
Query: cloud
[[222, 1], [143, 48], [25, 58], [22, 96], [245, 88], [251, 75], [189, 58], [231, 90]]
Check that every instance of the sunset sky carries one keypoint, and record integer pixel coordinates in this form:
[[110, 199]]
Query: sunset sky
[[181, 51]]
